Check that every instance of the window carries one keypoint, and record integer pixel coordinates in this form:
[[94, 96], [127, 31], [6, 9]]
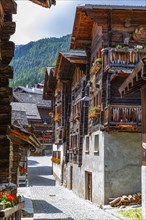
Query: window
[[74, 141], [96, 143], [87, 144]]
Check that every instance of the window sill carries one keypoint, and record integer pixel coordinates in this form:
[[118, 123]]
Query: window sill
[[86, 152], [96, 152]]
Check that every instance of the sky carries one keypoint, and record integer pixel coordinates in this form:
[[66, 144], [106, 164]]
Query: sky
[[34, 22]]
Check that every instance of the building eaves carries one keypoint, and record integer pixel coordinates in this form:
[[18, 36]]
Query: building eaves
[[31, 110], [32, 98], [112, 7]]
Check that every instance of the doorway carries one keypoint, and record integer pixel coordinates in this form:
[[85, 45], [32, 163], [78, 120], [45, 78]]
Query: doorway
[[88, 186]]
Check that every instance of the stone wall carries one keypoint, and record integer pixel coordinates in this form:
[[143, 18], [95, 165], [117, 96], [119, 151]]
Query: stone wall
[[115, 167], [122, 163]]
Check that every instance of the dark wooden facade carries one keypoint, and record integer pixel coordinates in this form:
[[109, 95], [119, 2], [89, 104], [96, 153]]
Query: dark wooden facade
[[7, 28], [65, 86], [114, 39], [67, 89]]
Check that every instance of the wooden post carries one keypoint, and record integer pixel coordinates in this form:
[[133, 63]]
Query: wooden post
[[143, 171]]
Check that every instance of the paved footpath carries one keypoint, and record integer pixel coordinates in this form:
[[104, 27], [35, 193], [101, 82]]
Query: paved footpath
[[52, 201]]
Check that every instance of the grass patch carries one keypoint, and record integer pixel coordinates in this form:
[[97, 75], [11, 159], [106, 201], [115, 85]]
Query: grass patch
[[135, 214]]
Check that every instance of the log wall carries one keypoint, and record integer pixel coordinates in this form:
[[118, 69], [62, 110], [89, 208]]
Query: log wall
[[7, 28]]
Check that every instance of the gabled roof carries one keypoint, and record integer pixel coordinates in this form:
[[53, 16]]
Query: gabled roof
[[65, 61], [32, 98], [28, 90], [30, 109], [44, 3]]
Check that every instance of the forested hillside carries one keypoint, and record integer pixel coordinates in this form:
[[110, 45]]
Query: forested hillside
[[30, 60]]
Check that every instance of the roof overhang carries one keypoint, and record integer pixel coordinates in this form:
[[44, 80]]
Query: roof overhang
[[25, 138], [87, 15], [65, 62], [44, 3]]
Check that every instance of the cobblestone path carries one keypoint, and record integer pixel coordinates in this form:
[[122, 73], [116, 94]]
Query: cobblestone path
[[52, 201]]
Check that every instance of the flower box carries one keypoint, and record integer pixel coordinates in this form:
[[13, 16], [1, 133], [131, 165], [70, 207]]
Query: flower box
[[94, 111], [8, 200], [55, 160], [8, 212], [22, 171]]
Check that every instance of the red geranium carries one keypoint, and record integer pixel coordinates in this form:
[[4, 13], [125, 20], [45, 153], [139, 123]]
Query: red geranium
[[9, 200]]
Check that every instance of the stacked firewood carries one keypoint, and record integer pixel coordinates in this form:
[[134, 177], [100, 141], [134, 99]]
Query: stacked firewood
[[126, 200]]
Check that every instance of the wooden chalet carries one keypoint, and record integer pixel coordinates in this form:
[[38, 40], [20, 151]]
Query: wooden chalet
[[137, 81], [112, 38], [65, 84], [115, 50]]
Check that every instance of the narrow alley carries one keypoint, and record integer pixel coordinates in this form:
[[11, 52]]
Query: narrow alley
[[52, 201]]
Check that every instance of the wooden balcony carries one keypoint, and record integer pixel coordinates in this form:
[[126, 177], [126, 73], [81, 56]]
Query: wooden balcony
[[122, 117], [125, 58]]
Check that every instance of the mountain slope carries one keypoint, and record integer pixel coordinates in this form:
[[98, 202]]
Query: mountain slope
[[30, 60]]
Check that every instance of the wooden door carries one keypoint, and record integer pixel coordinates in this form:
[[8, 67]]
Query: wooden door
[[88, 187]]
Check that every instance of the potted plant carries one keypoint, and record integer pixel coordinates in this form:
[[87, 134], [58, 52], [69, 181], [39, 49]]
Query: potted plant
[[118, 46], [98, 60], [8, 199], [94, 111], [57, 117], [57, 91], [23, 171]]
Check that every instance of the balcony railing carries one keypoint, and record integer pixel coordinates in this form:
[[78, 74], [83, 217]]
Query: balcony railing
[[121, 116], [126, 58], [13, 213]]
